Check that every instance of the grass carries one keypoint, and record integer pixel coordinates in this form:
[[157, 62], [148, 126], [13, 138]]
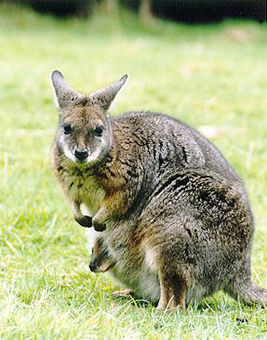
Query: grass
[[213, 77]]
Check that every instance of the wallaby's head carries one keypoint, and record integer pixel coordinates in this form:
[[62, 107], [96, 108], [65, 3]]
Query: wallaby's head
[[101, 261], [84, 135]]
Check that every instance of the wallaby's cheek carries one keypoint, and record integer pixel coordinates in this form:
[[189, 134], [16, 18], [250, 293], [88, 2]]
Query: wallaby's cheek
[[65, 146], [94, 155], [68, 153], [105, 266]]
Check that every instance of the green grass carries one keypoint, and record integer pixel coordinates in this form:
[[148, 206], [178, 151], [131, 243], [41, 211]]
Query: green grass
[[213, 75]]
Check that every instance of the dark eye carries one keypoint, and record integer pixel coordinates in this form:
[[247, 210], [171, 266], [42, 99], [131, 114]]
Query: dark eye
[[67, 129], [98, 131]]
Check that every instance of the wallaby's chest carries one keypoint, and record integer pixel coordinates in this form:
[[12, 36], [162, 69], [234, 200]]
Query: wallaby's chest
[[86, 190]]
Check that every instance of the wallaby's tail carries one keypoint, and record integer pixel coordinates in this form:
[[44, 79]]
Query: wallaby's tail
[[248, 292]]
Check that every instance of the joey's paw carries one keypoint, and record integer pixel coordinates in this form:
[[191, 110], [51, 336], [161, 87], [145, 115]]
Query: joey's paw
[[122, 293], [98, 226], [85, 221]]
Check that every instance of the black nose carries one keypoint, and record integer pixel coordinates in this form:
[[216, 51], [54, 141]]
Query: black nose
[[81, 153], [92, 267]]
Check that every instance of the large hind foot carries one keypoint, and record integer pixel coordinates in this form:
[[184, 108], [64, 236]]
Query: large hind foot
[[173, 291]]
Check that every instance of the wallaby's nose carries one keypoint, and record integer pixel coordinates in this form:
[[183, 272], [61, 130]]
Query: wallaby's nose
[[81, 153], [92, 267]]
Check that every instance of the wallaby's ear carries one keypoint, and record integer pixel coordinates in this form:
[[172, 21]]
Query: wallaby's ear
[[104, 98], [64, 94]]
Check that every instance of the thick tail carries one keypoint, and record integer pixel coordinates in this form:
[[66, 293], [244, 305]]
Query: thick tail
[[248, 292]]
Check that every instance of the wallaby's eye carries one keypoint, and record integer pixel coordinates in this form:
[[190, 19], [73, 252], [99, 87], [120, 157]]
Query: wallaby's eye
[[98, 131], [67, 129]]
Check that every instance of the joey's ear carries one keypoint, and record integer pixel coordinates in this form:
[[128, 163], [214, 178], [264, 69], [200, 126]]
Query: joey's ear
[[104, 98], [64, 94]]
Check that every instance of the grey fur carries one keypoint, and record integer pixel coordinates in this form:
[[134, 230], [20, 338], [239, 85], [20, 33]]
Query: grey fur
[[178, 221]]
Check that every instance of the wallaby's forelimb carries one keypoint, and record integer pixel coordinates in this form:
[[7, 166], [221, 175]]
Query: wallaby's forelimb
[[113, 205], [99, 219], [83, 220]]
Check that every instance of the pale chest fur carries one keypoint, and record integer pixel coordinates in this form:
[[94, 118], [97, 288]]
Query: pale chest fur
[[136, 268], [141, 277]]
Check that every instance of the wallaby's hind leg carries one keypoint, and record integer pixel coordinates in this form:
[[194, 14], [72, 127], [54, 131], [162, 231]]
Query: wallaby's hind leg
[[173, 289]]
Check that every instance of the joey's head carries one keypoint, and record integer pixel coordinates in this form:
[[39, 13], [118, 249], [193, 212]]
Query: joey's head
[[101, 260], [84, 134]]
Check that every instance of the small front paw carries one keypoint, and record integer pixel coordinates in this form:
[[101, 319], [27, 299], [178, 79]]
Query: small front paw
[[123, 293], [84, 221], [98, 226]]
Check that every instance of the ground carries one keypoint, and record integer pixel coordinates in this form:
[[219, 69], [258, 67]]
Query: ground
[[213, 77]]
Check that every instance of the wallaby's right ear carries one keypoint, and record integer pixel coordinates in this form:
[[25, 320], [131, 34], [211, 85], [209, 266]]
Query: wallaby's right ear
[[64, 94], [104, 98]]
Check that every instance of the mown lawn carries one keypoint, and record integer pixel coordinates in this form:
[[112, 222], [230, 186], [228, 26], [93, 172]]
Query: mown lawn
[[213, 77]]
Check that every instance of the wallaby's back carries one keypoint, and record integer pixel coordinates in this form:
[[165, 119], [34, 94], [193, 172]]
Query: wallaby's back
[[167, 145]]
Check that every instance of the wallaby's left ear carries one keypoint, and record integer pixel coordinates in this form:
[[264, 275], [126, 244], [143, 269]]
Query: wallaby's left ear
[[104, 98], [65, 95]]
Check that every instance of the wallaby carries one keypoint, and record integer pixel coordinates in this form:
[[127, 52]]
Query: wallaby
[[174, 214]]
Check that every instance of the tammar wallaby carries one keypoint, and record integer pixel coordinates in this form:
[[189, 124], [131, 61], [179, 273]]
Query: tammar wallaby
[[174, 215]]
